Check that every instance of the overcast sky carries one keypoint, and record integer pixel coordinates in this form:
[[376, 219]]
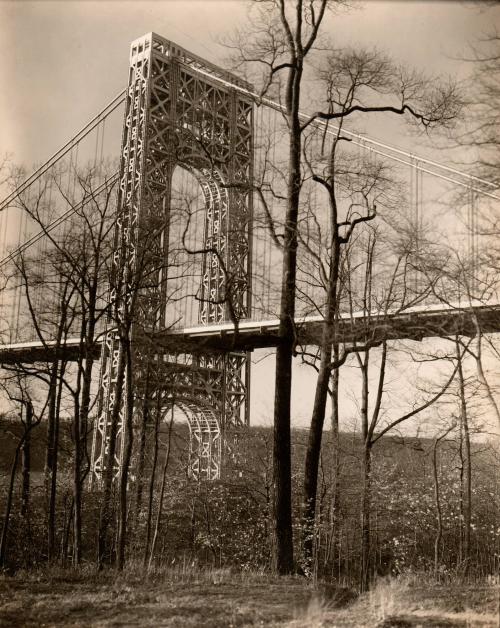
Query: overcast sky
[[60, 62]]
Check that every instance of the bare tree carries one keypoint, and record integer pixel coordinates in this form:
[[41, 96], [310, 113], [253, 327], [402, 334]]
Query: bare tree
[[70, 267], [358, 82], [281, 39], [437, 501], [18, 391], [374, 425]]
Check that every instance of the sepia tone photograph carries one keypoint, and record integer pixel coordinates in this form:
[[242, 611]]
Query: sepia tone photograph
[[250, 313]]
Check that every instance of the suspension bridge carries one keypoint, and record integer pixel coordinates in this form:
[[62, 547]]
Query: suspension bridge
[[171, 244]]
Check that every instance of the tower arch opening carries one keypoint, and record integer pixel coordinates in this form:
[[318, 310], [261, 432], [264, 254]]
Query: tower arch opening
[[197, 214]]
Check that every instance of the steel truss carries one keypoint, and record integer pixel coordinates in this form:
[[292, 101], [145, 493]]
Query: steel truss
[[181, 111]]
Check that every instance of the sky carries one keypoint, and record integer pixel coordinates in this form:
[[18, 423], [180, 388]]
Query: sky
[[60, 62]]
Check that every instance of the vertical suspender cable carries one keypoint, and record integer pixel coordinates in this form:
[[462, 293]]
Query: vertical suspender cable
[[417, 226], [101, 159], [473, 237], [260, 258], [421, 210], [273, 135]]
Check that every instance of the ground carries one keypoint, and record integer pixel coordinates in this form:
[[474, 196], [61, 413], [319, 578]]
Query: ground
[[218, 599]]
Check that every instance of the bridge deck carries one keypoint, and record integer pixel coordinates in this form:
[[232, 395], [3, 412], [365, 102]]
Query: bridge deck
[[412, 324]]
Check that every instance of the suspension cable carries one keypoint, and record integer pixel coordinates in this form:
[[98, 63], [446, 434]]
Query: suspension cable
[[358, 139], [333, 129], [82, 133], [51, 226]]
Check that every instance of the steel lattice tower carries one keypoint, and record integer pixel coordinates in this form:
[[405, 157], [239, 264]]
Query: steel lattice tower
[[181, 111]]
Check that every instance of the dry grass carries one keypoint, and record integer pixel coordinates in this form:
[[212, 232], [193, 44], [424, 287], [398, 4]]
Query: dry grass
[[184, 596], [416, 602], [178, 597]]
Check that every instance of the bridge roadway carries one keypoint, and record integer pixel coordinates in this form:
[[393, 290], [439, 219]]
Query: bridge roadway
[[411, 324]]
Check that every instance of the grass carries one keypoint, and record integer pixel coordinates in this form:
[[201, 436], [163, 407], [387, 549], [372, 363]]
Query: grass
[[213, 599], [417, 601], [184, 596]]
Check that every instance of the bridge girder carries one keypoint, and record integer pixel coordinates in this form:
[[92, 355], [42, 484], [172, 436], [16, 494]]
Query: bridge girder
[[406, 325]]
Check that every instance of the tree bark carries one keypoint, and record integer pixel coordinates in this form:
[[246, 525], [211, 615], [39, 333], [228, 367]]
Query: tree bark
[[8, 505], [29, 424], [319, 409], [129, 439], [366, 519], [467, 479], [51, 459], [438, 539], [335, 497], [142, 449], [56, 408], [81, 429], [26, 462], [284, 563], [152, 479], [103, 549], [162, 492], [364, 576]]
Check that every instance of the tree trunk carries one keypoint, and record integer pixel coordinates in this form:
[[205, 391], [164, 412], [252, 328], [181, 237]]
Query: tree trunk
[[51, 459], [313, 455], [467, 476], [129, 439], [81, 429], [319, 409], [8, 505], [364, 578], [162, 492], [67, 531], [365, 519], [152, 479], [89, 320], [142, 450], [284, 563], [77, 496], [51, 532], [77, 463], [437, 501], [282, 462], [103, 548], [26, 462], [336, 436], [335, 497]]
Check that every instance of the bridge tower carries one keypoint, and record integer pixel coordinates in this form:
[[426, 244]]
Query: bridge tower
[[181, 111]]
